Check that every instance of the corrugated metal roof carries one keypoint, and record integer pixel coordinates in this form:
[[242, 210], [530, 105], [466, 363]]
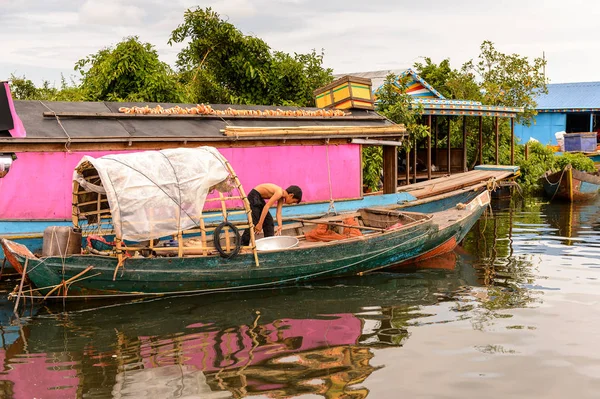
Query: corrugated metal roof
[[580, 95]]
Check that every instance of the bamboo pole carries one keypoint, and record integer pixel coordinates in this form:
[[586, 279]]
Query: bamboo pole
[[337, 130], [203, 237], [23, 277], [241, 191], [74, 206], [226, 230]]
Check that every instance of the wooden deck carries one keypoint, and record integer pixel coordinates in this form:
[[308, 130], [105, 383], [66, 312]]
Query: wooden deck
[[441, 185]]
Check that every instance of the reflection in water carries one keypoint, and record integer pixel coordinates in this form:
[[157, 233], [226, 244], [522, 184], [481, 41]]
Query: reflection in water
[[327, 339]]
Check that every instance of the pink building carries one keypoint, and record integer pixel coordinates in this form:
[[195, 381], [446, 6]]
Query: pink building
[[42, 142]]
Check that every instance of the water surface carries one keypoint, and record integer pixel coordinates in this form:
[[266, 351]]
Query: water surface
[[514, 312]]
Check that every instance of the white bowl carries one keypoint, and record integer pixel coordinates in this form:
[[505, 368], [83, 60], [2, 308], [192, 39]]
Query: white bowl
[[276, 243]]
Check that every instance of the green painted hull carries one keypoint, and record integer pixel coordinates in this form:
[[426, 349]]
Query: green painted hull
[[148, 276]]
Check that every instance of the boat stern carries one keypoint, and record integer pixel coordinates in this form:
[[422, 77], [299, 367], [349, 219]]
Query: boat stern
[[14, 253]]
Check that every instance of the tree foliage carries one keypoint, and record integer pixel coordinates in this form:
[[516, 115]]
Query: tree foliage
[[131, 71], [222, 65], [508, 79], [493, 78], [24, 89], [397, 105]]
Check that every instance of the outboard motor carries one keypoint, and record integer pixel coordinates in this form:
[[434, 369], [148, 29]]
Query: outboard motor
[[61, 241]]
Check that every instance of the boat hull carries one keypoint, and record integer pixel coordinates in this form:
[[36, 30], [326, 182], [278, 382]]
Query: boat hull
[[30, 233], [166, 275], [447, 237], [571, 185]]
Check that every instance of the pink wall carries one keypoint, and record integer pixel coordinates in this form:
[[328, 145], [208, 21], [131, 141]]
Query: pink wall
[[38, 185]]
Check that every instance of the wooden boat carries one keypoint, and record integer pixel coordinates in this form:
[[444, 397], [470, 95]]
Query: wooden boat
[[143, 197], [452, 223], [570, 185]]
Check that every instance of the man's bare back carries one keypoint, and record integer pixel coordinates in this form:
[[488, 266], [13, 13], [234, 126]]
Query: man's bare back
[[268, 190]]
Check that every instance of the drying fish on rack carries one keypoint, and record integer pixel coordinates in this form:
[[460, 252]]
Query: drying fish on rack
[[201, 109]]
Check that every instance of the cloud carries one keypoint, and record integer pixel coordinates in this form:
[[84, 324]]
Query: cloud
[[43, 36], [111, 12]]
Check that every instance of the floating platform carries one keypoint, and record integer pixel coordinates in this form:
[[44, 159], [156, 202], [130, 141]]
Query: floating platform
[[480, 176]]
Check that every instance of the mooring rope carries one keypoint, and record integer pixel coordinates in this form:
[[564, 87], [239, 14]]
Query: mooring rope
[[68, 143], [331, 202]]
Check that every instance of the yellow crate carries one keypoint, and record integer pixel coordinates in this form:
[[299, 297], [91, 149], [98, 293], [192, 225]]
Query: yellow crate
[[345, 92]]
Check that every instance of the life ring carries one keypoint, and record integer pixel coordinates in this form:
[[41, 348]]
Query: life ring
[[217, 240]]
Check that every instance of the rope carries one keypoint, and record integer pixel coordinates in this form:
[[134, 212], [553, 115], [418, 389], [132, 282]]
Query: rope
[[555, 184], [224, 289], [331, 202], [68, 143]]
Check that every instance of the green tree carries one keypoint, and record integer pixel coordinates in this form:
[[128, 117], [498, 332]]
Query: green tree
[[395, 104], [494, 78], [222, 65], [508, 79], [24, 89], [131, 71]]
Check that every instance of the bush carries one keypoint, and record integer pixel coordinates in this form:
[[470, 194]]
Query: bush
[[541, 159], [577, 160]]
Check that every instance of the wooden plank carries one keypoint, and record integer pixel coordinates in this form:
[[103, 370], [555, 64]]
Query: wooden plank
[[376, 142], [91, 144], [446, 184]]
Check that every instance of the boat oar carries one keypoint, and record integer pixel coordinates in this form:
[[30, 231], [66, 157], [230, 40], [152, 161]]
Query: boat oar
[[339, 225]]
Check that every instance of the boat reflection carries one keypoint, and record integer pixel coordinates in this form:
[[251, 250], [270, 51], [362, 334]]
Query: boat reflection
[[317, 339]]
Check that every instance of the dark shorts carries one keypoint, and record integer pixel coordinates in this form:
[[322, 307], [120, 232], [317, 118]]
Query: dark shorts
[[257, 204]]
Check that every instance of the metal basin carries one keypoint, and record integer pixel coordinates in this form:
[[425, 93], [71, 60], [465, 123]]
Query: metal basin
[[276, 243]]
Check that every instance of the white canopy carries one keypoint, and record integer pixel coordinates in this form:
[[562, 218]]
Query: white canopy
[[156, 193]]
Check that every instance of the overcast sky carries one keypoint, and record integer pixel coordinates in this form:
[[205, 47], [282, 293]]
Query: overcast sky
[[43, 38]]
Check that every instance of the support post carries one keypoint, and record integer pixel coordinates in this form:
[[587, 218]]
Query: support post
[[407, 168], [497, 140], [449, 147], [429, 149], [435, 132], [591, 121], [481, 140], [415, 161], [390, 169], [512, 141], [464, 144]]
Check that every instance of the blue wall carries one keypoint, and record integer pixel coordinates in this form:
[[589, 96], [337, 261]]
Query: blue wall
[[543, 128]]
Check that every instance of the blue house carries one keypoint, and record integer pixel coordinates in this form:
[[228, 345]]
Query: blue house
[[568, 107]]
